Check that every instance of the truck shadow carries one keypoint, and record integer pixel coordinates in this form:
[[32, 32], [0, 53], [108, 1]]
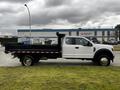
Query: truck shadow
[[41, 63]]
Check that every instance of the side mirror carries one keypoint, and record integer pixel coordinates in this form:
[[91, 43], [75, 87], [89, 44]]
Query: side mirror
[[88, 44]]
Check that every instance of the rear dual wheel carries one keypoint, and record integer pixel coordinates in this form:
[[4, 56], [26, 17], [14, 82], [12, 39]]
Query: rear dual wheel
[[27, 60]]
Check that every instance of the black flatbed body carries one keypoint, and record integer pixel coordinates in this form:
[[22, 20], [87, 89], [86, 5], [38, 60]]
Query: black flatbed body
[[27, 47], [35, 50]]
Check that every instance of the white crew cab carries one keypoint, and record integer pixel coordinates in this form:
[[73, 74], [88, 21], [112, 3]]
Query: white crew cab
[[76, 47]]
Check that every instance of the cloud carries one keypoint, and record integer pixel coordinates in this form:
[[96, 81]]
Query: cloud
[[8, 9], [56, 2], [59, 12], [73, 11], [15, 1], [9, 13]]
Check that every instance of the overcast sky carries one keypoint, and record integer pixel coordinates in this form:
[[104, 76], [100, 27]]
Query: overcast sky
[[58, 14]]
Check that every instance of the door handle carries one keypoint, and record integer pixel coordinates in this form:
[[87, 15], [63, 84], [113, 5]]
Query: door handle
[[76, 47]]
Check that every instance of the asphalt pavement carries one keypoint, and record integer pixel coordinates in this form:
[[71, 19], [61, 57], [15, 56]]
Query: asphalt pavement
[[6, 60]]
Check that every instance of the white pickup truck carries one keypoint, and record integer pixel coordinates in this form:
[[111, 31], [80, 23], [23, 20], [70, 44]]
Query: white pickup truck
[[68, 47]]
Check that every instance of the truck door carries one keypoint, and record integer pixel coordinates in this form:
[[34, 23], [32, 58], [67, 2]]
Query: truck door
[[84, 48], [69, 48], [74, 47]]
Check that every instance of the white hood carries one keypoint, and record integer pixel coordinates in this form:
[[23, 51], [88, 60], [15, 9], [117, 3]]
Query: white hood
[[103, 46]]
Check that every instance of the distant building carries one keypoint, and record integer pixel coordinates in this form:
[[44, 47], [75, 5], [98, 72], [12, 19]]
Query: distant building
[[101, 34]]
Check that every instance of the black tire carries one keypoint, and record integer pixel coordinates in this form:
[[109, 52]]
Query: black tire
[[36, 60], [103, 60], [27, 60]]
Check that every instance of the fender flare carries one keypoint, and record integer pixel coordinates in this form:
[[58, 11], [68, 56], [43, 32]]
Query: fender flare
[[104, 52]]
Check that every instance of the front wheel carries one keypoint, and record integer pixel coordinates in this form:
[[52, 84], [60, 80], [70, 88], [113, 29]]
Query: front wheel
[[27, 61], [103, 60]]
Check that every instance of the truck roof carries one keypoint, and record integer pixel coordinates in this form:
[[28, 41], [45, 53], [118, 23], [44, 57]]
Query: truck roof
[[76, 36]]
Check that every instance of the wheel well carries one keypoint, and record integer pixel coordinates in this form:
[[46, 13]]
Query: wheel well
[[103, 52], [34, 56]]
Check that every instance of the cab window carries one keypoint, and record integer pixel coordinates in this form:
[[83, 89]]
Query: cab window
[[78, 41], [82, 41], [70, 41]]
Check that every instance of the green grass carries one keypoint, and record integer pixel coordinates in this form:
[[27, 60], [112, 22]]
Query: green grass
[[116, 47], [60, 77]]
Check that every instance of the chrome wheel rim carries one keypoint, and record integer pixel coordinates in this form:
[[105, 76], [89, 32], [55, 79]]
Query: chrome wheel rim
[[104, 61], [27, 61]]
